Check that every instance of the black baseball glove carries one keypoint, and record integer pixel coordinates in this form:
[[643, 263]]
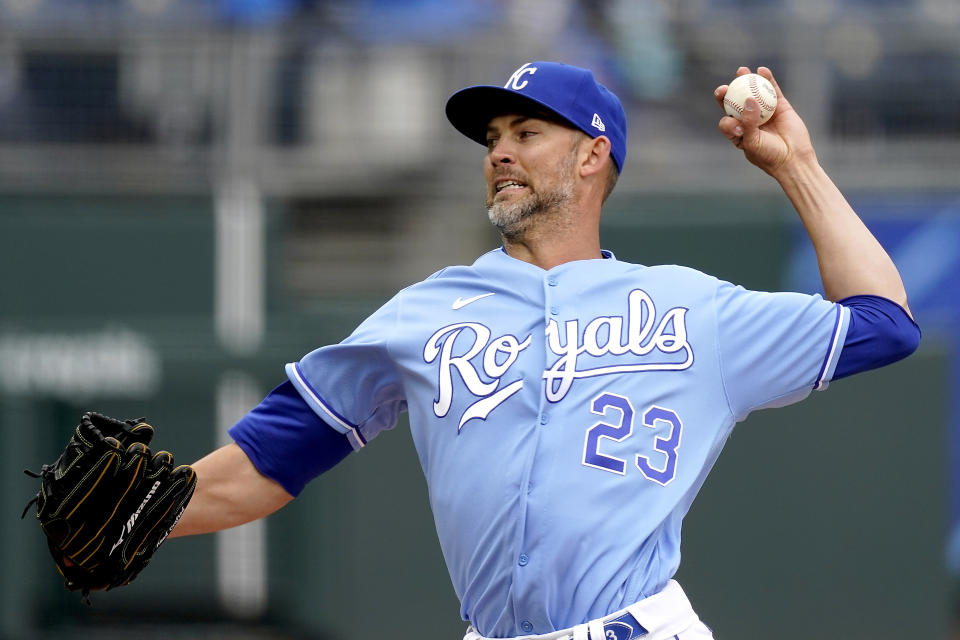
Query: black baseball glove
[[107, 503]]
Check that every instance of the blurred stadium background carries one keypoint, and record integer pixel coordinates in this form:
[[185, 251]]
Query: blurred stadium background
[[194, 192]]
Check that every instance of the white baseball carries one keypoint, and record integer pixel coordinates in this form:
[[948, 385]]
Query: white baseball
[[751, 85]]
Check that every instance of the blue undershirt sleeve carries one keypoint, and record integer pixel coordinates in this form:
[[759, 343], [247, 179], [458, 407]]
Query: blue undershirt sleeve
[[288, 442], [880, 333]]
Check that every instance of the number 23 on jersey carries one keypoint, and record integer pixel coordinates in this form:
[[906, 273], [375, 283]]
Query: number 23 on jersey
[[618, 426]]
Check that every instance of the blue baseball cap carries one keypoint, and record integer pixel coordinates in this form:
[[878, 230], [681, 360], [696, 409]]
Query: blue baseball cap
[[569, 92]]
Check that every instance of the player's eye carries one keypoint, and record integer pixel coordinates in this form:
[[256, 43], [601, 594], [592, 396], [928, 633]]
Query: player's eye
[[527, 133], [491, 143]]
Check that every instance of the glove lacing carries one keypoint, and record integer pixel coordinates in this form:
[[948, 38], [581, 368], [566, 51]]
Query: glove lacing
[[45, 471]]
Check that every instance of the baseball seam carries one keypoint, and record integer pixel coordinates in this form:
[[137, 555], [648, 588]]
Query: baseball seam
[[733, 105], [755, 91]]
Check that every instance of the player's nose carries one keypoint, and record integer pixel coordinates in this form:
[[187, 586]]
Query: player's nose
[[501, 153]]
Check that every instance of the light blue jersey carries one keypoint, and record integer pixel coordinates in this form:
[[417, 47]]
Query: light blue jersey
[[565, 419]]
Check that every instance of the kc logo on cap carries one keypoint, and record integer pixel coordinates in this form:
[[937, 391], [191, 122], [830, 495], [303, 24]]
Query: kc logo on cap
[[514, 81], [570, 93]]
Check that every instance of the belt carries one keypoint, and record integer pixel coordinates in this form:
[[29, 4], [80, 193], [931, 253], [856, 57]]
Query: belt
[[625, 627]]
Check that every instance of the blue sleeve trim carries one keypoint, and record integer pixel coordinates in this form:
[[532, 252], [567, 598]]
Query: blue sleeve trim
[[287, 441], [322, 408], [841, 325], [881, 332]]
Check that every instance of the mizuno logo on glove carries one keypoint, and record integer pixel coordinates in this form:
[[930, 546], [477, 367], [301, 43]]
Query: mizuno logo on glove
[[128, 527]]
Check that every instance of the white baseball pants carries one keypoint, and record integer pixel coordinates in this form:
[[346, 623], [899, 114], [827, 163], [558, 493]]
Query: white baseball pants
[[667, 615]]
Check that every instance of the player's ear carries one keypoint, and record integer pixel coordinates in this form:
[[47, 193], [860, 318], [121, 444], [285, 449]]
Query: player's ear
[[593, 155]]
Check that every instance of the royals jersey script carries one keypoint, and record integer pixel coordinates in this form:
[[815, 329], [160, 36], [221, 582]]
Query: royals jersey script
[[565, 419]]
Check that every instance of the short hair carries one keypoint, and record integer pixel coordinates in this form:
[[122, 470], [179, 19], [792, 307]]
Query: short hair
[[612, 176]]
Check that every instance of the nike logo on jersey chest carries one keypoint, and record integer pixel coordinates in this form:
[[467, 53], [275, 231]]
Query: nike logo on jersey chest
[[460, 303]]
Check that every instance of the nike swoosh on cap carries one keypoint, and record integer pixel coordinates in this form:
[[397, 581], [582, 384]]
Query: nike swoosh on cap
[[460, 303]]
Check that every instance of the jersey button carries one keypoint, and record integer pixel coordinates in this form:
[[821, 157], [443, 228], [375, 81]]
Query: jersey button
[[554, 310], [527, 626], [552, 281], [544, 418], [523, 559]]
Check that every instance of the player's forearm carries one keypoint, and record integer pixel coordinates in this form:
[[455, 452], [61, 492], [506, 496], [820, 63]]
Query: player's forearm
[[852, 261], [230, 492]]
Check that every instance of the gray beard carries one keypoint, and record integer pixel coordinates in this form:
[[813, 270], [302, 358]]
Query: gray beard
[[512, 219]]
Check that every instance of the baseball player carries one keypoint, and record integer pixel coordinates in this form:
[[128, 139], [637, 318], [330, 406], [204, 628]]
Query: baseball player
[[566, 407]]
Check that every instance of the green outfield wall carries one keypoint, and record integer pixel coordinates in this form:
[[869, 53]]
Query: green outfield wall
[[826, 519]]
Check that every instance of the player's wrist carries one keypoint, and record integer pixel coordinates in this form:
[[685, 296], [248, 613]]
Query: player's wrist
[[800, 168]]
